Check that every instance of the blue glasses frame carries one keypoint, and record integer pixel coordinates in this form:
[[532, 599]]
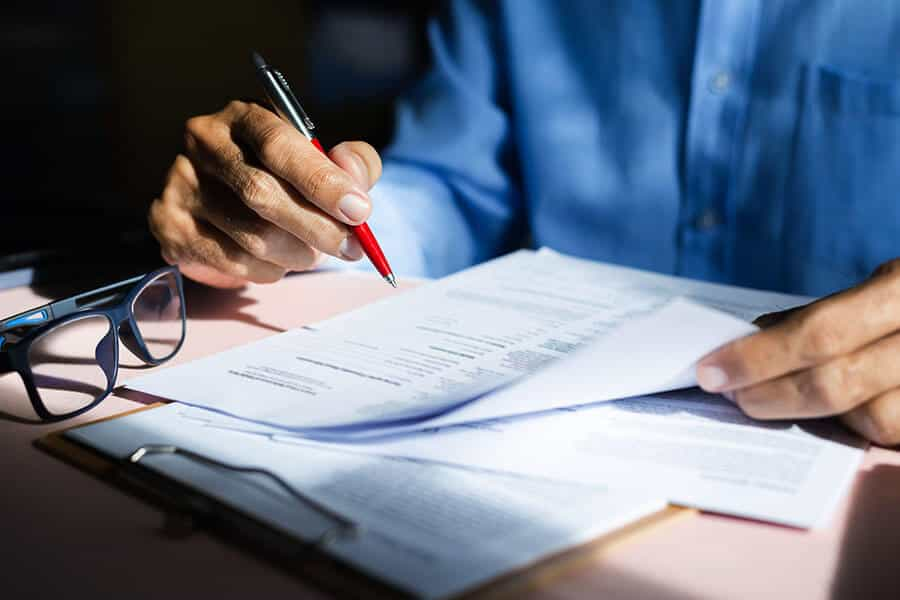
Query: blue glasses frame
[[113, 302]]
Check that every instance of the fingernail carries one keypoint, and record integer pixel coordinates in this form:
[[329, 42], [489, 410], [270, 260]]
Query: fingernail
[[350, 249], [355, 208], [711, 378]]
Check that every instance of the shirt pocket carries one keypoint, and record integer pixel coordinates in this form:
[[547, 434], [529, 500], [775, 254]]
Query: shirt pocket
[[842, 206]]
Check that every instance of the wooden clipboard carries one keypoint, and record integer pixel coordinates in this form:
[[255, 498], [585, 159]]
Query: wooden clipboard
[[180, 507]]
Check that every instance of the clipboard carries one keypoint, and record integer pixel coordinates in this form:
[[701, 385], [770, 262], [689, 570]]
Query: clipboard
[[186, 508]]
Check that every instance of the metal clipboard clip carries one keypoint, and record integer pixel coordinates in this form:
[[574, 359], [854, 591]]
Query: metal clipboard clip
[[344, 526]]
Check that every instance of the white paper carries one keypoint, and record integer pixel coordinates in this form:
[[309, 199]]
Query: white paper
[[432, 530], [656, 352], [692, 448], [434, 348]]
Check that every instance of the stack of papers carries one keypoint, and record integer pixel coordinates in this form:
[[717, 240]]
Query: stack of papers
[[508, 367], [429, 530]]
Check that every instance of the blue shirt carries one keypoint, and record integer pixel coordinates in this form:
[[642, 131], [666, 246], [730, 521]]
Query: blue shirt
[[754, 142]]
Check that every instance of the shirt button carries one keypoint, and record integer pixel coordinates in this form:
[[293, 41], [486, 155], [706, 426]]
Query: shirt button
[[708, 220], [720, 82]]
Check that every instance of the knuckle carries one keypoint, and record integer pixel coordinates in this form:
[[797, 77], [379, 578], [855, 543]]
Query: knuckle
[[195, 129], [254, 244], [824, 341], [256, 239], [181, 169], [272, 145], [181, 180], [196, 125], [820, 388], [819, 338], [854, 382], [168, 257], [154, 216], [153, 220], [318, 180], [235, 106], [258, 192], [163, 224], [167, 206]]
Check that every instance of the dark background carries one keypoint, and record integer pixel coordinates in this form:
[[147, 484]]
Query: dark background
[[96, 92]]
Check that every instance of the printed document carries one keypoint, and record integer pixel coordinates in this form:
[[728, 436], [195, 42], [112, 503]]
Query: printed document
[[692, 448], [474, 370], [431, 530], [447, 344]]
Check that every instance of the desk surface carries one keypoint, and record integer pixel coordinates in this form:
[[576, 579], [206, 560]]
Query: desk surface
[[67, 533]]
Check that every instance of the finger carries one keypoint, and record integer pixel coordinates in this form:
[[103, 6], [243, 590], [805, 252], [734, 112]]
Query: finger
[[271, 198], [820, 331], [878, 420], [830, 388], [773, 318], [198, 248], [286, 153], [169, 215], [212, 248], [360, 160], [262, 239], [210, 276]]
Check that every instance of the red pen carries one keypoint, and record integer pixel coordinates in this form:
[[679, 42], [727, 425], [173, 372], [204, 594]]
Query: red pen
[[288, 108]]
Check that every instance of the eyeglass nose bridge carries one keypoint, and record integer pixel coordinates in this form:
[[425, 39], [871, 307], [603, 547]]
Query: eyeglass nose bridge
[[107, 354]]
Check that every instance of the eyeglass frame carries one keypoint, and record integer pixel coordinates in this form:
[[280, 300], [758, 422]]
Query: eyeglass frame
[[35, 322]]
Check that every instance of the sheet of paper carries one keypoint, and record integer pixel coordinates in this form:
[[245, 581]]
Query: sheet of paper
[[433, 530], [438, 346], [692, 448], [655, 352]]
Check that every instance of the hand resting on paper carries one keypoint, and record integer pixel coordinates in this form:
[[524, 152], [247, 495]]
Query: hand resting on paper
[[252, 198], [837, 356]]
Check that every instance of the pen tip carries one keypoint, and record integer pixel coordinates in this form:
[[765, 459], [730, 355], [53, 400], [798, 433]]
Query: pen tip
[[391, 279], [258, 60]]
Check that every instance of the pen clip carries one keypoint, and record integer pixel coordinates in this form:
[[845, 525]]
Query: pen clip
[[286, 88]]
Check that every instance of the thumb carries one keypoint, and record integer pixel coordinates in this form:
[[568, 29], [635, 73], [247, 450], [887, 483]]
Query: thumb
[[360, 160]]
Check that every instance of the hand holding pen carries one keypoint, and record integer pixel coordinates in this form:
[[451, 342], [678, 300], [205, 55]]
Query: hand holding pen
[[252, 198], [288, 107]]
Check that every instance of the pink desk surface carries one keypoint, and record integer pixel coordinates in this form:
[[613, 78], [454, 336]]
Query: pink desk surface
[[64, 532]]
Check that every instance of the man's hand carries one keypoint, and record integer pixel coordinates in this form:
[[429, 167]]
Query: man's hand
[[837, 356], [252, 199]]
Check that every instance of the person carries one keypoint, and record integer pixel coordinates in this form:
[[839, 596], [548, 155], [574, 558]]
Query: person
[[738, 141]]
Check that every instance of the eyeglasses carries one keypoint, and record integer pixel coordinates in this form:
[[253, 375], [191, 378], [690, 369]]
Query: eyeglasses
[[67, 352]]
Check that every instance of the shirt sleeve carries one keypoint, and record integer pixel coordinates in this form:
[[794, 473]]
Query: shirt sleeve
[[446, 199]]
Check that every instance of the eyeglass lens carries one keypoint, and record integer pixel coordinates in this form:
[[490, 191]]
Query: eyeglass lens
[[159, 315], [73, 363]]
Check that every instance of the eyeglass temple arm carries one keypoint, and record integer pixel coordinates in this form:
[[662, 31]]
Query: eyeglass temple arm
[[345, 525], [60, 308], [92, 298]]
